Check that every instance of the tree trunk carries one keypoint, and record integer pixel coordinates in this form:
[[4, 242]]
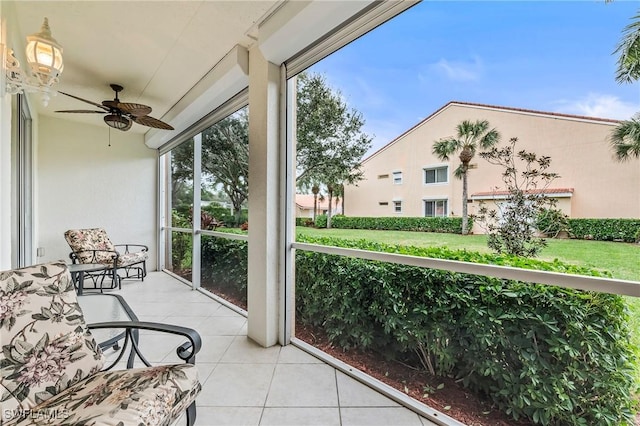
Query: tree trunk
[[315, 190], [465, 196], [315, 206], [330, 191]]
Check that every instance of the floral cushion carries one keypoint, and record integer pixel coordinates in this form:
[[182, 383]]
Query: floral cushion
[[84, 241], [46, 346], [132, 258], [153, 396]]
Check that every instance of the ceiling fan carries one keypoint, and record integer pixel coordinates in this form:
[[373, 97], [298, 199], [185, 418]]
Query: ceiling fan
[[121, 115]]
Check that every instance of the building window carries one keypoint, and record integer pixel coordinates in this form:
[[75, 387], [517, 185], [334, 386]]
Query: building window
[[383, 176], [435, 208], [397, 178], [397, 206], [383, 203], [436, 175]]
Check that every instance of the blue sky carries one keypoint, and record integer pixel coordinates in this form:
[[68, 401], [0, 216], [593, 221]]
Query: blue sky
[[543, 55]]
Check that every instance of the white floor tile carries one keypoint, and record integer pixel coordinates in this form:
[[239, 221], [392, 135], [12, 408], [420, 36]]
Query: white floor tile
[[379, 416], [237, 385], [308, 416], [354, 394], [303, 385], [244, 350], [228, 416]]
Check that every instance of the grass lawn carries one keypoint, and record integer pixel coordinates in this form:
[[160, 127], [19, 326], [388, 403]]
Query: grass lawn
[[621, 259]]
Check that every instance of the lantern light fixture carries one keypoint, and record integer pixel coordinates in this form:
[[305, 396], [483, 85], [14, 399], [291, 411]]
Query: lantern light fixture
[[44, 56]]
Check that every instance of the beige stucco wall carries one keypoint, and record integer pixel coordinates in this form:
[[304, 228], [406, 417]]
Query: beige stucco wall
[[579, 149], [83, 182]]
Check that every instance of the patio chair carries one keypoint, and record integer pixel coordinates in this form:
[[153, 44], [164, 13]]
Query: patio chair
[[93, 245], [52, 371]]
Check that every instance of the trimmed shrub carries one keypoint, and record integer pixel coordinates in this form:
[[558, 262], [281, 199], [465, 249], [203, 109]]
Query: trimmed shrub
[[539, 352], [321, 221], [304, 221], [551, 222], [451, 225], [605, 229], [224, 265]]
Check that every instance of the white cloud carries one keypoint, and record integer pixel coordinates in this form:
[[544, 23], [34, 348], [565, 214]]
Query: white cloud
[[458, 71], [368, 95], [599, 105]]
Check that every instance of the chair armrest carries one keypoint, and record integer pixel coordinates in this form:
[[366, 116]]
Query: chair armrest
[[127, 250], [186, 352], [74, 255]]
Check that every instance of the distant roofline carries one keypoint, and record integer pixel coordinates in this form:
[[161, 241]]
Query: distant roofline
[[502, 194], [495, 107]]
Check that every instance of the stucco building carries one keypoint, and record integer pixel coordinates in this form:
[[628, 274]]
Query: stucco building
[[405, 178]]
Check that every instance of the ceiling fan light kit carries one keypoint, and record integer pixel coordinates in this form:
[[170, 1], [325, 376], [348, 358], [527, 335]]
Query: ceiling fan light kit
[[117, 122], [121, 115], [44, 55]]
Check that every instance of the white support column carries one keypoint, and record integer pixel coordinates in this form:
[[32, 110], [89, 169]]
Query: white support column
[[197, 231], [264, 199]]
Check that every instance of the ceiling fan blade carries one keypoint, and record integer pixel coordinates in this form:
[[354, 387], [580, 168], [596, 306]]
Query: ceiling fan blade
[[84, 100], [88, 111], [137, 110], [151, 122]]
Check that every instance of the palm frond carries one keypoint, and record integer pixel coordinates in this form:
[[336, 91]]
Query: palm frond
[[459, 172], [628, 50], [444, 148], [625, 139]]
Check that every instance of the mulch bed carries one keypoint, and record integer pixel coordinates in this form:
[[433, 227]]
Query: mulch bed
[[451, 399]]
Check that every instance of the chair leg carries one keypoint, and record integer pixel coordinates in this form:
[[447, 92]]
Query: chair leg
[[191, 414]]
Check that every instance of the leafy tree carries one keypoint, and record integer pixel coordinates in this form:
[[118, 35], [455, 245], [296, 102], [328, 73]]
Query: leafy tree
[[625, 139], [182, 177], [330, 138], [225, 157], [470, 137], [511, 227]]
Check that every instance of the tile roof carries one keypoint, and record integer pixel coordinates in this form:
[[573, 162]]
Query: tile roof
[[494, 107], [547, 191], [305, 201]]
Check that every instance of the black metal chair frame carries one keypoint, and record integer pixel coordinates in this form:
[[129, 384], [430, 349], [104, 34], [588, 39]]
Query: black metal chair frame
[[186, 352], [116, 280]]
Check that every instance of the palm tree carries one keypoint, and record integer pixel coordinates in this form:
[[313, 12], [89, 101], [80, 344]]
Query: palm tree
[[470, 137], [625, 139]]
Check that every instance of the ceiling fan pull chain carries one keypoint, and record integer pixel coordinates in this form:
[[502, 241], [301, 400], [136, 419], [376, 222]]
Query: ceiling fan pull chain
[[109, 136]]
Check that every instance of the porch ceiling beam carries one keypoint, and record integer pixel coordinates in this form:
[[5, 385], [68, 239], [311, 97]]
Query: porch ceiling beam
[[226, 78]]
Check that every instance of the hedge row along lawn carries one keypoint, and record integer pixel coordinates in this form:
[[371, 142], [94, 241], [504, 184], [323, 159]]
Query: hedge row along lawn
[[620, 260], [539, 352]]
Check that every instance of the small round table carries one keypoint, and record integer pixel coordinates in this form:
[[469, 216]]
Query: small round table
[[78, 270]]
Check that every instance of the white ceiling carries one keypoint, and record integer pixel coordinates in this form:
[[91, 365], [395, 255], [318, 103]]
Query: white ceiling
[[157, 50]]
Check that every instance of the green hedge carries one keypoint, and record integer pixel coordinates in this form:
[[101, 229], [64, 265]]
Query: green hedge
[[451, 225], [304, 221], [224, 265], [554, 356], [605, 229]]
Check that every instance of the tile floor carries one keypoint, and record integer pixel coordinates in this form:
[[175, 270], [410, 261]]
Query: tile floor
[[245, 384]]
